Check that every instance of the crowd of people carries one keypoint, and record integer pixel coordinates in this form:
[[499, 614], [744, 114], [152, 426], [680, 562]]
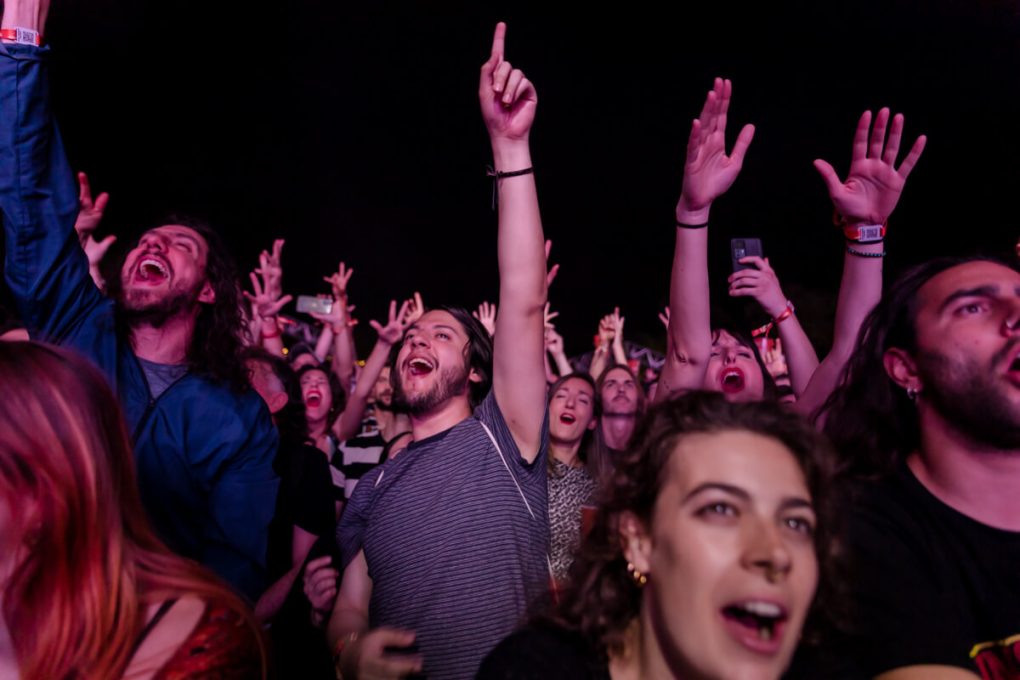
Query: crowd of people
[[188, 491]]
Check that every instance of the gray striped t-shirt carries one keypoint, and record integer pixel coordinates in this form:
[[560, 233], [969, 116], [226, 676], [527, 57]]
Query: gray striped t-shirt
[[452, 549]]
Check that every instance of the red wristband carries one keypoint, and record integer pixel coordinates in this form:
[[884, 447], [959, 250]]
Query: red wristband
[[270, 336], [21, 36], [785, 314]]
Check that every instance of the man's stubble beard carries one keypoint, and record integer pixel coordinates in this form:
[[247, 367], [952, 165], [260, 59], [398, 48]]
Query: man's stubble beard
[[969, 398], [449, 383], [157, 312]]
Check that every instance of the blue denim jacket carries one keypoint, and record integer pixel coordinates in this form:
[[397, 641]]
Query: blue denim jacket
[[203, 452]]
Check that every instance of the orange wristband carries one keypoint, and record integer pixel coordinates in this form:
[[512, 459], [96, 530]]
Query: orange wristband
[[21, 36]]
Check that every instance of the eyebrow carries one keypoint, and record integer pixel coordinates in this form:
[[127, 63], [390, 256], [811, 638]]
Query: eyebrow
[[786, 504], [979, 291]]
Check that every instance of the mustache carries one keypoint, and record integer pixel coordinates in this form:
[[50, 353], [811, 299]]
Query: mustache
[[1006, 351]]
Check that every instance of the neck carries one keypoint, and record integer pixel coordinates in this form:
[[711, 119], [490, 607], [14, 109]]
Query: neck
[[975, 479], [317, 428], [441, 418], [391, 424], [565, 452], [165, 344], [617, 428], [641, 656]]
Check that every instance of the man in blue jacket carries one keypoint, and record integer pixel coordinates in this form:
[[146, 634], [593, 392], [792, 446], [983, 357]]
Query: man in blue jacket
[[167, 340]]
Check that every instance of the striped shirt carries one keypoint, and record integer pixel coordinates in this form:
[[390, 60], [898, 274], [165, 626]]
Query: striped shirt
[[454, 551]]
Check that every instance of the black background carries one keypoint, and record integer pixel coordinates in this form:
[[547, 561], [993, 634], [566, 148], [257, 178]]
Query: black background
[[353, 131]]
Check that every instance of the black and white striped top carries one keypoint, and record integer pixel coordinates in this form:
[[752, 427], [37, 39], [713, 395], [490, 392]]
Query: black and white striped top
[[452, 549]]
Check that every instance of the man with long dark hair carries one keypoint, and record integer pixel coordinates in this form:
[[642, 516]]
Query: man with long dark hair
[[168, 340], [928, 426]]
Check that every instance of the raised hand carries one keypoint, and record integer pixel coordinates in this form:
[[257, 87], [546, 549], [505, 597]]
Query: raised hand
[[617, 322], [339, 316], [90, 214], [607, 331], [271, 269], [708, 171], [486, 315], [873, 185], [761, 283], [507, 98], [339, 281], [265, 305], [664, 317], [414, 310], [551, 273], [393, 331], [553, 340]]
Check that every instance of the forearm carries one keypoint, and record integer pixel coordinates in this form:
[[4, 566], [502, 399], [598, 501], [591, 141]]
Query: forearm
[[599, 360], [859, 292], [562, 363], [343, 355], [689, 320], [323, 344], [801, 359], [272, 343], [270, 602], [619, 354], [349, 422]]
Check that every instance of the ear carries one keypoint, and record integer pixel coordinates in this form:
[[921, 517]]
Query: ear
[[207, 295], [901, 369], [277, 402], [636, 543], [474, 377], [594, 422]]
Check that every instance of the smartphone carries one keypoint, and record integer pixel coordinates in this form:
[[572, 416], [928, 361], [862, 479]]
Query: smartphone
[[744, 247], [310, 303]]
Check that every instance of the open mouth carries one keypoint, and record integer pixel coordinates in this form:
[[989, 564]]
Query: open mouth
[[418, 366], [756, 624], [568, 419], [152, 270], [731, 380], [313, 399]]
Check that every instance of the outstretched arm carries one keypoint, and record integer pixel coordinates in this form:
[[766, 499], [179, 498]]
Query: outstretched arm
[[349, 422], [867, 198], [508, 103], [46, 270], [708, 173]]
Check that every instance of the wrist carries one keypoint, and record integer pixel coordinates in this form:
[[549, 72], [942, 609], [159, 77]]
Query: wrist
[[25, 14], [785, 313], [345, 655], [508, 156], [690, 214]]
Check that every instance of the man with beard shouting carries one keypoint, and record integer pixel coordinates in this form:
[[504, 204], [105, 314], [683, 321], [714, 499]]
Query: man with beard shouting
[[168, 341], [928, 422], [445, 546]]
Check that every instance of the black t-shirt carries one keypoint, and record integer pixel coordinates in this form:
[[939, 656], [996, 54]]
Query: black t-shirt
[[930, 585], [544, 650], [305, 500]]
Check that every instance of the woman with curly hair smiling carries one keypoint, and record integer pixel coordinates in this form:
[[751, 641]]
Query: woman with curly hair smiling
[[705, 557]]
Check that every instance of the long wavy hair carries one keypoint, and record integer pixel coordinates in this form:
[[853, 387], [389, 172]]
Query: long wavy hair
[[869, 418], [86, 564], [220, 331], [604, 599]]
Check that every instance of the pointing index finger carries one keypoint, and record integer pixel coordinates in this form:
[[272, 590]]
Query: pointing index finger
[[499, 41]]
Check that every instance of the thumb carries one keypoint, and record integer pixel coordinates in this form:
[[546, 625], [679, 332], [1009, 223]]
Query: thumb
[[104, 245], [829, 176], [395, 637]]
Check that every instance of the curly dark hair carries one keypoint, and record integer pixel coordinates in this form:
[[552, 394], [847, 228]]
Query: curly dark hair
[[869, 418], [220, 332], [336, 391], [603, 597]]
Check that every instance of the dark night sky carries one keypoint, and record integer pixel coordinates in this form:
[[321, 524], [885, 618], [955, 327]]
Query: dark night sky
[[355, 134]]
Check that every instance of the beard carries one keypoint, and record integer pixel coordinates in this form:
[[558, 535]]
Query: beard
[[450, 382], [140, 308], [968, 396]]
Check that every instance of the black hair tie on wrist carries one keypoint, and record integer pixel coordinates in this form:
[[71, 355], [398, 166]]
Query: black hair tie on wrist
[[497, 175]]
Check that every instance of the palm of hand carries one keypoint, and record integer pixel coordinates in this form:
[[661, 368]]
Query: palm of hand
[[711, 172], [870, 192], [513, 122]]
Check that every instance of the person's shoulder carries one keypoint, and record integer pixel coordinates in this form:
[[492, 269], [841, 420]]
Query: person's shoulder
[[224, 643]]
